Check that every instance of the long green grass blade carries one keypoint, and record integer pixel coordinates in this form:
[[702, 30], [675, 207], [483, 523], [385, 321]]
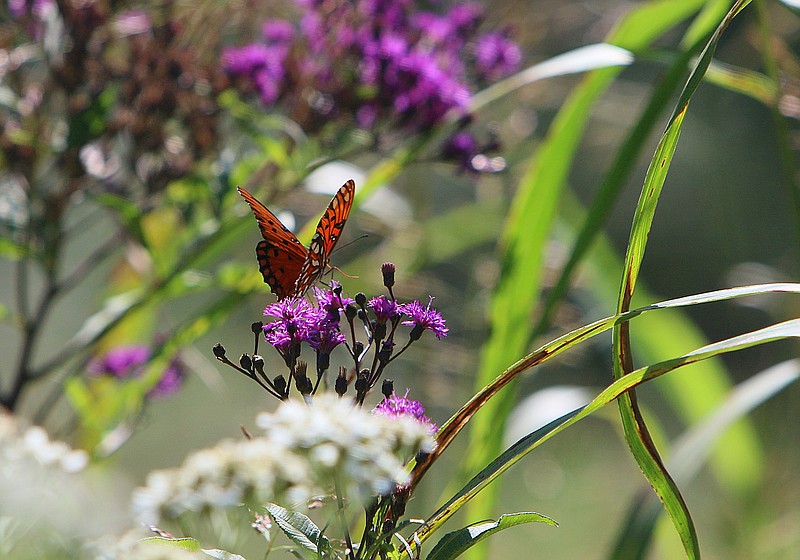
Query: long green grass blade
[[636, 433], [531, 221], [779, 331], [692, 450]]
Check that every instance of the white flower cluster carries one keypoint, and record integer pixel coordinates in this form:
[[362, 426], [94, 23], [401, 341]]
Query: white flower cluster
[[303, 451], [21, 448]]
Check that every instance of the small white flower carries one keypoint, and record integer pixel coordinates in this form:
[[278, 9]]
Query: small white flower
[[302, 452]]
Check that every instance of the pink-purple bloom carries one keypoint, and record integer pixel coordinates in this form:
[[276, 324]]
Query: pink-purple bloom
[[396, 406], [126, 362], [381, 60], [384, 308], [423, 318]]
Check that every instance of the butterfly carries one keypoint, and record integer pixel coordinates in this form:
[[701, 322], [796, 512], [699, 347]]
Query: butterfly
[[287, 266]]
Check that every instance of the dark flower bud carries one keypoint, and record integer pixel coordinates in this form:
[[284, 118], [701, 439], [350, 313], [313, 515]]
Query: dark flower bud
[[387, 269], [387, 388], [361, 299], [219, 351], [340, 386], [378, 330], [350, 311], [386, 351], [323, 361], [361, 383], [388, 525], [258, 363], [257, 327], [358, 348], [246, 362], [280, 384], [416, 332], [304, 385]]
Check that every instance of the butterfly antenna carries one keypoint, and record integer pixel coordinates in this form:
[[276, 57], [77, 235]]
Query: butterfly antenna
[[359, 238]]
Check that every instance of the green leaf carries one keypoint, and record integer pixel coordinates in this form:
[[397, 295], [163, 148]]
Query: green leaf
[[222, 554], [779, 331], [453, 544], [183, 543], [529, 225], [692, 450], [300, 529], [636, 433]]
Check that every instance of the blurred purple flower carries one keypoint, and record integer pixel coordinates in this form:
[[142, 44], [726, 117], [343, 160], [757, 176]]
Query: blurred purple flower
[[395, 406], [126, 362], [423, 318], [496, 56], [380, 60]]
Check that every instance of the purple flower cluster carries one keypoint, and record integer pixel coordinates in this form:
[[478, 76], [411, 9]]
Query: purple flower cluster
[[423, 318], [125, 362], [394, 406], [382, 61]]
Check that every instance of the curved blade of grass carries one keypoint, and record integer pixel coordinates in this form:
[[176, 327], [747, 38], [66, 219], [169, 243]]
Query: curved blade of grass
[[529, 225], [692, 450], [452, 545], [456, 423], [634, 427], [779, 331]]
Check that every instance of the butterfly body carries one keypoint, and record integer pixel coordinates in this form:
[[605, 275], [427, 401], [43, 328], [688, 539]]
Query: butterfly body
[[288, 267]]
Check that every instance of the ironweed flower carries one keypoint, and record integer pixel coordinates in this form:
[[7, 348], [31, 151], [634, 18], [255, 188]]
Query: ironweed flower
[[395, 406], [125, 362], [423, 318], [384, 308], [386, 62], [328, 320]]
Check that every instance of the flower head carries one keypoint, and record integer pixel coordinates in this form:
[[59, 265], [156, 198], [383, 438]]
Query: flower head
[[295, 318], [423, 318], [396, 406], [301, 451], [384, 308], [125, 362]]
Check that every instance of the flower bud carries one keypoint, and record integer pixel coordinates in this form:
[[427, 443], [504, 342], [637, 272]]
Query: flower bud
[[361, 299], [340, 386], [219, 351], [387, 388], [388, 269], [257, 327], [246, 362], [280, 384]]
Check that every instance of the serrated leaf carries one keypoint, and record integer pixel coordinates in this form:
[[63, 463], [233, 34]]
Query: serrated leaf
[[222, 554], [300, 529], [453, 544]]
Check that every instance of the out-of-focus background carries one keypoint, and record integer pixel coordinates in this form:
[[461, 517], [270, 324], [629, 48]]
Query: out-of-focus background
[[726, 218]]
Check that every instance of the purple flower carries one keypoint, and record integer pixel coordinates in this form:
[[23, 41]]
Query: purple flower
[[396, 406], [330, 302], [384, 308], [422, 318], [325, 336], [296, 317], [379, 60], [496, 56], [125, 362], [278, 31]]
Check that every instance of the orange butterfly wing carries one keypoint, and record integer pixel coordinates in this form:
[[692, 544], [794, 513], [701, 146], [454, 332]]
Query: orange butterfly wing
[[280, 255], [327, 234], [287, 266]]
